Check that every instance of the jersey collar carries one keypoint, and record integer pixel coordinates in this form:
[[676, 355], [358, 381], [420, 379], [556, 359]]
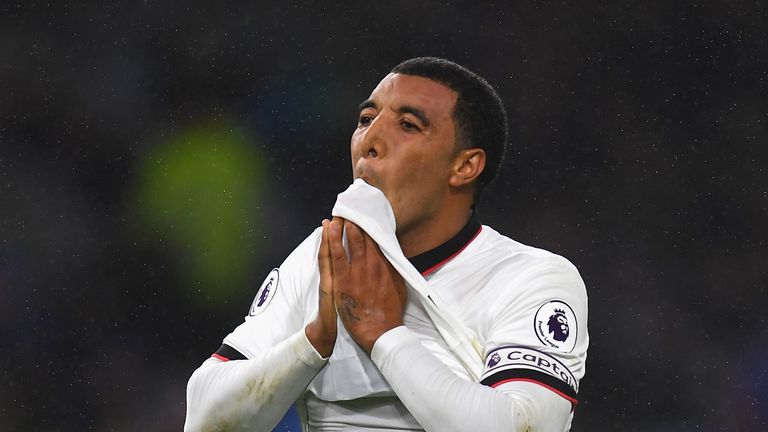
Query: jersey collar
[[431, 260]]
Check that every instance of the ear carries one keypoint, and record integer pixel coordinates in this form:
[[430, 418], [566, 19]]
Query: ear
[[467, 166]]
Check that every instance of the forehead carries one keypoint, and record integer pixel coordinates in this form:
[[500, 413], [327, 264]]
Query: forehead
[[397, 90]]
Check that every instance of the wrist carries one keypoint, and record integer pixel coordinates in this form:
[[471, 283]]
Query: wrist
[[390, 342], [370, 341], [320, 339]]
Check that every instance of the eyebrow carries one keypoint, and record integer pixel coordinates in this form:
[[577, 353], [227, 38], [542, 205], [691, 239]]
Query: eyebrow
[[408, 109]]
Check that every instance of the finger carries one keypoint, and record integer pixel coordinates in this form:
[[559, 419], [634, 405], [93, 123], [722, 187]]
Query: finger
[[339, 260], [326, 270], [371, 247], [326, 306], [375, 259], [356, 240], [324, 254]]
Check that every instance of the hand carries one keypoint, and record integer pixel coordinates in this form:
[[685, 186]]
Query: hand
[[369, 293], [321, 332]]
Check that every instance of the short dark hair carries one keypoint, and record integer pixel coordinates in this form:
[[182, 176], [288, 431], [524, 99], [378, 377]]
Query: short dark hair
[[480, 117]]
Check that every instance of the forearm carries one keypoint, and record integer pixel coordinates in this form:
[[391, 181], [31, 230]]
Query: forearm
[[442, 401], [251, 394]]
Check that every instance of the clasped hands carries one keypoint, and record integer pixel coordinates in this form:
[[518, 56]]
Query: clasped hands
[[361, 288]]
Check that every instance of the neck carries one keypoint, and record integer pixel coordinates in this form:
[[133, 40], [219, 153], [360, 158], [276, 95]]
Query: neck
[[431, 232]]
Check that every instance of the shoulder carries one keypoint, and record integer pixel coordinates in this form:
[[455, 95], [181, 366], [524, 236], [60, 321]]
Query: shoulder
[[301, 263], [283, 297], [307, 249], [513, 260], [527, 278], [294, 275]]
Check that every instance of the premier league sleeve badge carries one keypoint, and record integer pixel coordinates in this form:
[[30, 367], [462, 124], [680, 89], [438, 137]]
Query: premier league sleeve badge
[[266, 293], [555, 325]]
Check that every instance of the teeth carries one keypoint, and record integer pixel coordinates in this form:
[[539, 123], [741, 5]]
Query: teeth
[[372, 153]]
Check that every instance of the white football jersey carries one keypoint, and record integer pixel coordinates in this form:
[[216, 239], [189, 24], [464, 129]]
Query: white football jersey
[[527, 306]]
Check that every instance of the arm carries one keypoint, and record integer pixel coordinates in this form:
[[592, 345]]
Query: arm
[[442, 401], [251, 394], [274, 366]]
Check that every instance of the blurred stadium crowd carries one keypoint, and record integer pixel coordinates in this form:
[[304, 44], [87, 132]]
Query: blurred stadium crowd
[[157, 159]]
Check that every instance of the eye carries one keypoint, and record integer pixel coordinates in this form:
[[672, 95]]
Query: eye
[[365, 120], [409, 126]]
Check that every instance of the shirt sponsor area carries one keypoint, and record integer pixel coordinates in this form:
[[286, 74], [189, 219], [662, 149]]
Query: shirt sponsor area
[[506, 358]]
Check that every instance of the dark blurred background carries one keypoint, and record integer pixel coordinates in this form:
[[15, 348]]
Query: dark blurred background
[[157, 159]]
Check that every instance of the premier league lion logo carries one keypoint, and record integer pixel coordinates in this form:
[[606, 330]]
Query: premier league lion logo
[[558, 325], [266, 293], [494, 360]]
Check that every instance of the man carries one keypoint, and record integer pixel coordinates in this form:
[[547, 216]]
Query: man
[[341, 334]]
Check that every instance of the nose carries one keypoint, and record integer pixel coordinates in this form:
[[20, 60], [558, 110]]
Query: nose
[[374, 139]]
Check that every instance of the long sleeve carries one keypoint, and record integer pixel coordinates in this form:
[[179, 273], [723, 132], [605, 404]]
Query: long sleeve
[[442, 401], [251, 394]]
